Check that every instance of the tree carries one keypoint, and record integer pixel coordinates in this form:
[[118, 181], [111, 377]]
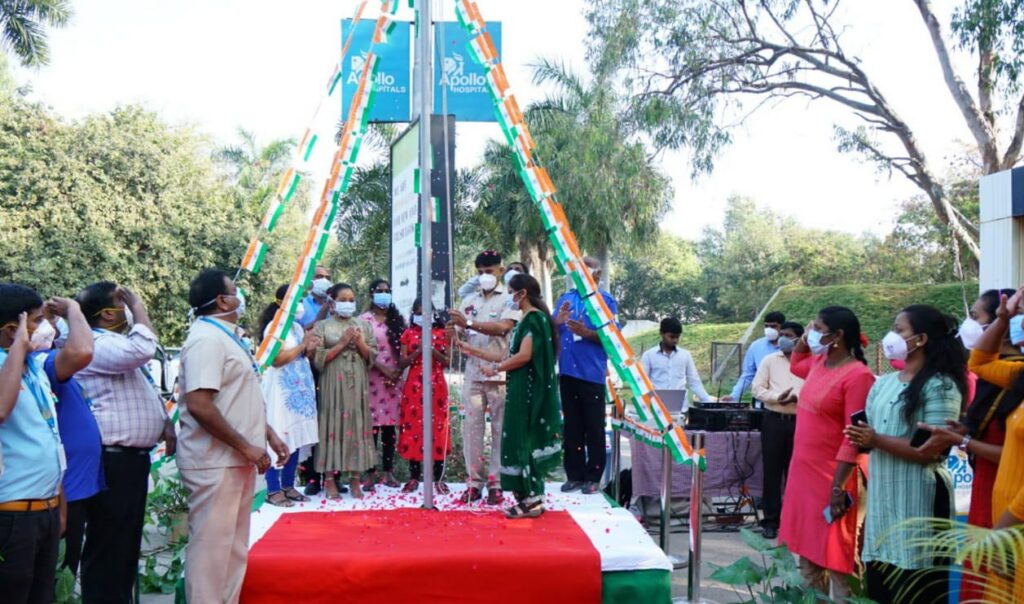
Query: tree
[[659, 280], [612, 190], [23, 27], [684, 61]]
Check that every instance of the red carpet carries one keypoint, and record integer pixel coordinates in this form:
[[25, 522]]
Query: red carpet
[[412, 555]]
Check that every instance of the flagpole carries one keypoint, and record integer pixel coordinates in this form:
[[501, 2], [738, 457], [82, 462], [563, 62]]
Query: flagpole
[[424, 51]]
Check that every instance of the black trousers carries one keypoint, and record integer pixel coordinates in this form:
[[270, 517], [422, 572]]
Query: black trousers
[[416, 470], [29, 542], [113, 534], [583, 411], [892, 584], [776, 450], [74, 532], [389, 436]]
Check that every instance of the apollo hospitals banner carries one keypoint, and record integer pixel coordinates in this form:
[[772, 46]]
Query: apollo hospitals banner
[[393, 83], [460, 84]]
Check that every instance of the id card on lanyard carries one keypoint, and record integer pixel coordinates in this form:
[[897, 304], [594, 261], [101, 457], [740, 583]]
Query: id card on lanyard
[[47, 409], [237, 340]]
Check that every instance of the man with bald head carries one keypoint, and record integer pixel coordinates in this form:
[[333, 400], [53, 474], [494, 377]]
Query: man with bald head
[[582, 364]]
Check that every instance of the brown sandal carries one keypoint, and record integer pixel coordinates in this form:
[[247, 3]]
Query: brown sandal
[[521, 510], [294, 495], [279, 499]]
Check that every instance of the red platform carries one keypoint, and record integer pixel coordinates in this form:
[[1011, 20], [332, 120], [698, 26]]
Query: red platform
[[414, 555]]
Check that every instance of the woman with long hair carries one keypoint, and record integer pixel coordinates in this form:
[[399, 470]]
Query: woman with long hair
[[532, 433], [385, 378], [1008, 489], [410, 443], [346, 350], [290, 397], [820, 506], [906, 483]]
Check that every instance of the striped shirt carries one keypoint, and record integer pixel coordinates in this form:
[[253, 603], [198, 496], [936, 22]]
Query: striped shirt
[[127, 407], [899, 489]]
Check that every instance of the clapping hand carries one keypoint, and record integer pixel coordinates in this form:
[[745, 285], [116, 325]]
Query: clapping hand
[[563, 313], [788, 397], [310, 341]]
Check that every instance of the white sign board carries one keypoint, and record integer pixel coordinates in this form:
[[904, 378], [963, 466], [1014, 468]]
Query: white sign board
[[404, 218]]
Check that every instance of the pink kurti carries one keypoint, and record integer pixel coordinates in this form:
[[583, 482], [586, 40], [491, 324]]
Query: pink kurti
[[828, 398], [385, 393]]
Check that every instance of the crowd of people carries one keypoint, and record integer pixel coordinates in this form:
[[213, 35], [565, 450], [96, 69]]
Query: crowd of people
[[847, 455], [80, 415]]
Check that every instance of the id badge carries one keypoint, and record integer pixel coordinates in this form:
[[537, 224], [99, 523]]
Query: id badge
[[62, 457]]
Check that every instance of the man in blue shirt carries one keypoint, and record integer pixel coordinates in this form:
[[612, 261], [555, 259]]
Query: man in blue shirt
[[756, 353], [31, 500], [314, 302], [582, 367]]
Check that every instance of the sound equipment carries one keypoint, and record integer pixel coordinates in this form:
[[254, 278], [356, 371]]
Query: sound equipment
[[724, 420]]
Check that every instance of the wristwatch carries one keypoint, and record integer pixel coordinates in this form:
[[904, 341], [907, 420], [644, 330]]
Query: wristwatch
[[837, 490], [963, 444], [469, 323]]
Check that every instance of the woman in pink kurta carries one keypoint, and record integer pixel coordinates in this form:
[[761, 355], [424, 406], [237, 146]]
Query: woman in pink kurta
[[385, 378], [822, 474]]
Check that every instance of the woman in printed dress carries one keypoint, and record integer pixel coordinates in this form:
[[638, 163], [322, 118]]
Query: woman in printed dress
[[290, 397], [385, 379]]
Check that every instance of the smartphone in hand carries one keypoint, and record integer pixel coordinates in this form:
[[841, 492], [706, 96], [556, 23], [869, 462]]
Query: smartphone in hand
[[856, 418], [828, 509]]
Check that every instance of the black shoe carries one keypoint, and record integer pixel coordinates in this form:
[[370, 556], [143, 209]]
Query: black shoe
[[571, 485], [312, 488], [769, 533], [590, 488]]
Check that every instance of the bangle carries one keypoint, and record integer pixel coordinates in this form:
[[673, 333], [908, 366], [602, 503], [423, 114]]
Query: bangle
[[837, 490], [966, 441]]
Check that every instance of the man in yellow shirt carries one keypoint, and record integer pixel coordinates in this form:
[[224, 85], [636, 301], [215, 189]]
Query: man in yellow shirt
[[776, 387]]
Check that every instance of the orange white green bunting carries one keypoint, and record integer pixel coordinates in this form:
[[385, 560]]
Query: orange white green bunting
[[253, 259]]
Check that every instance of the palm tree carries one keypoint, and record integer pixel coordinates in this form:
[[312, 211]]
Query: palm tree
[[23, 27], [254, 169]]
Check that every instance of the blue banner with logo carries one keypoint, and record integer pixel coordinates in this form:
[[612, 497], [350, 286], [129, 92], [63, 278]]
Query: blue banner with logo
[[457, 76], [393, 96]]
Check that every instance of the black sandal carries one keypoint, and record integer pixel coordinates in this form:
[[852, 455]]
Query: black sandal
[[279, 499], [521, 510], [293, 495]]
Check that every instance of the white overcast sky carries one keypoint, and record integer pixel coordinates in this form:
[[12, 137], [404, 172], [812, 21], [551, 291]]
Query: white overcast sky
[[224, 64]]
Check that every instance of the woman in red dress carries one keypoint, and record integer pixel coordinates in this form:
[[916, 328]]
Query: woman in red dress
[[819, 509], [410, 442]]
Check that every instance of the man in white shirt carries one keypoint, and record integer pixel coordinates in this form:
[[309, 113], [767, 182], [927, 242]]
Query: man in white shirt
[[671, 367], [776, 387]]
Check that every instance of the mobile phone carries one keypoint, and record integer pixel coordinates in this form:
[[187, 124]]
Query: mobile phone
[[858, 416], [828, 508], [920, 436]]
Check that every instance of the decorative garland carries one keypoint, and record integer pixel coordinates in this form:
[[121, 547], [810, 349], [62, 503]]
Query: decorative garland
[[342, 166], [646, 401]]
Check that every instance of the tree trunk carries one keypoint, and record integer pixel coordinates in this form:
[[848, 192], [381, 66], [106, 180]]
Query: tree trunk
[[604, 258]]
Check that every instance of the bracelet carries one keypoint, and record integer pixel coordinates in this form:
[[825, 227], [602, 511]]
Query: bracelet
[[963, 445], [837, 490]]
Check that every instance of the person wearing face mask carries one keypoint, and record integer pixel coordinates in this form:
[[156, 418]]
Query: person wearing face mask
[[830, 359], [132, 419], [582, 366], [514, 268], [776, 386], [32, 506], [290, 395], [385, 379], [83, 445], [346, 352], [485, 319], [316, 300], [410, 443], [756, 352], [224, 439], [906, 482]]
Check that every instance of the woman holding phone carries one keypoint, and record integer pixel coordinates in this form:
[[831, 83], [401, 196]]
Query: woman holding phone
[[819, 509], [906, 482]]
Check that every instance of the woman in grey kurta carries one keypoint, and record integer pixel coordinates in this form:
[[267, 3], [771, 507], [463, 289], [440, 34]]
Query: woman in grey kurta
[[347, 349]]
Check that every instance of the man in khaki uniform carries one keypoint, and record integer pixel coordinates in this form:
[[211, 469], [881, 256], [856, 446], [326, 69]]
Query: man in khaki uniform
[[223, 441], [486, 319]]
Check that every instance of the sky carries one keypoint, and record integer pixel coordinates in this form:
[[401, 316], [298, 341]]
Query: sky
[[219, 65]]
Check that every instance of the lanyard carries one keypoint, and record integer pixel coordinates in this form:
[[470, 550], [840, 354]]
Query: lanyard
[[144, 368], [233, 336], [42, 395]]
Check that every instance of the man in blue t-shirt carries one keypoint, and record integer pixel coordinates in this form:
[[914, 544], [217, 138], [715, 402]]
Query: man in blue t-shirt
[[582, 367], [756, 352], [79, 431], [31, 499]]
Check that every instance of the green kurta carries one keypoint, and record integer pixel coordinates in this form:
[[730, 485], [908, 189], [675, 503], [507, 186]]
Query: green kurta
[[346, 426], [531, 439], [898, 489]]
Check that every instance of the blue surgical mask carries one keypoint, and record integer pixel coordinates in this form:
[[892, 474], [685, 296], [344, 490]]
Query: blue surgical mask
[[417, 320], [344, 309], [1017, 330], [382, 299]]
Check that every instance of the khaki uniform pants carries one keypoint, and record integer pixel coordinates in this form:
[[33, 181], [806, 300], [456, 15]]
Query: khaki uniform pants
[[479, 398]]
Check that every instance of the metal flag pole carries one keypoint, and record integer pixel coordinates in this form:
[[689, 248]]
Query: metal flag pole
[[425, 56], [696, 523]]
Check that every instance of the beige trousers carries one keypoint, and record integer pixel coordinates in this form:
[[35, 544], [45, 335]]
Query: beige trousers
[[479, 398], [819, 578], [219, 502]]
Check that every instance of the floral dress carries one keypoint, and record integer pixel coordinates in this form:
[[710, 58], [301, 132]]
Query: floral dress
[[385, 393], [290, 397], [410, 442]]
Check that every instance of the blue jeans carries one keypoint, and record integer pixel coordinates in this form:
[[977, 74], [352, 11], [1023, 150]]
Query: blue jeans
[[284, 477]]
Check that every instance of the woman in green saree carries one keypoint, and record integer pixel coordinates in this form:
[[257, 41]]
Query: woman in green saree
[[531, 440]]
